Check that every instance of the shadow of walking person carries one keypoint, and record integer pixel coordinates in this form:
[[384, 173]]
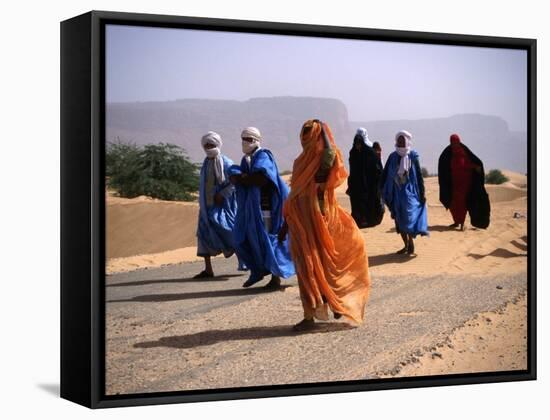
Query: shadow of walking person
[[443, 228], [167, 297], [499, 252], [393, 257], [224, 277], [208, 338]]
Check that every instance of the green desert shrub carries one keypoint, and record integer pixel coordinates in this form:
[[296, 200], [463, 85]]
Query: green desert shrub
[[495, 176], [161, 171], [425, 173]]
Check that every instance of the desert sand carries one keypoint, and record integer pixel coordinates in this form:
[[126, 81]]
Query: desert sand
[[492, 341], [144, 225], [146, 233], [143, 233]]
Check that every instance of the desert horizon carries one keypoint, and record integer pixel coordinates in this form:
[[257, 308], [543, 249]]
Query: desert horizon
[[183, 122]]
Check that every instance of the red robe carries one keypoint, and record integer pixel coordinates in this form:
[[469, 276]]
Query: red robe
[[461, 173]]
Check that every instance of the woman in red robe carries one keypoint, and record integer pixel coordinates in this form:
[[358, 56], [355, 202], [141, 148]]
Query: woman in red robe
[[462, 185], [461, 174]]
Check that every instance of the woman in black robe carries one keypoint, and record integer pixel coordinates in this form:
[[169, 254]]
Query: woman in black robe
[[365, 171], [451, 180]]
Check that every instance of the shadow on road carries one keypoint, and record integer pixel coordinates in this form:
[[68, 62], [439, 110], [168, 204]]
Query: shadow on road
[[207, 338], [167, 297], [225, 277]]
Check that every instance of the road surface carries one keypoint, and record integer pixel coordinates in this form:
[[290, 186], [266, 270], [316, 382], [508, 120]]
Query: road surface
[[168, 332]]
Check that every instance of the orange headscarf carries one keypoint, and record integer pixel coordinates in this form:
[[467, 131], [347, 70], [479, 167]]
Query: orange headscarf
[[328, 249]]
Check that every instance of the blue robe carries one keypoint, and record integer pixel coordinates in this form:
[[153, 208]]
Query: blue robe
[[404, 200], [260, 250], [215, 227]]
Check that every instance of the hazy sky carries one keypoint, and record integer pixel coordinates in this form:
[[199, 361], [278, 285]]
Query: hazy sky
[[376, 80]]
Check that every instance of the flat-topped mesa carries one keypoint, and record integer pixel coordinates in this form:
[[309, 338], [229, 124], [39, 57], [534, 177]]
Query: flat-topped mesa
[[184, 121]]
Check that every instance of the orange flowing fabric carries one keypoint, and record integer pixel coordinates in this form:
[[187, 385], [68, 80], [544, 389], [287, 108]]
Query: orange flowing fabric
[[328, 249]]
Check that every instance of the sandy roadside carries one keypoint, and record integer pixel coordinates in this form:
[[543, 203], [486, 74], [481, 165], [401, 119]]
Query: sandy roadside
[[489, 342]]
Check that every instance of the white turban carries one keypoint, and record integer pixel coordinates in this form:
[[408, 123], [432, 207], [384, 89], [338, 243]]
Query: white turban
[[214, 139], [405, 163], [361, 131], [406, 135], [252, 132]]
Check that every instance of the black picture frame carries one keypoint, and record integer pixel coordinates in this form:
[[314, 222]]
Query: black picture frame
[[83, 208]]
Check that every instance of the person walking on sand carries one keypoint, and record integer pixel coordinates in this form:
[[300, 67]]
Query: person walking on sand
[[365, 171], [261, 193], [217, 205], [462, 185], [327, 246], [403, 192]]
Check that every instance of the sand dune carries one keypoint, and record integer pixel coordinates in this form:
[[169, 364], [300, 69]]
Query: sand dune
[[149, 233], [519, 180], [505, 192], [145, 226]]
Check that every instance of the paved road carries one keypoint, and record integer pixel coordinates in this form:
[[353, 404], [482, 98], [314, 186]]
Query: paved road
[[174, 283], [167, 331]]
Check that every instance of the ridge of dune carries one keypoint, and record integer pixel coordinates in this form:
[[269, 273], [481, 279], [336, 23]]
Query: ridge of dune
[[139, 262], [113, 199], [515, 178], [503, 192]]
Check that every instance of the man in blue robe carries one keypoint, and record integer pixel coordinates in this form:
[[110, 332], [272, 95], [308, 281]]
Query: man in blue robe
[[261, 193], [218, 205], [403, 192]]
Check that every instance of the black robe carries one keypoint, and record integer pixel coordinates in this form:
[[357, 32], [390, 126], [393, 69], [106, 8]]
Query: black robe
[[365, 171], [477, 202]]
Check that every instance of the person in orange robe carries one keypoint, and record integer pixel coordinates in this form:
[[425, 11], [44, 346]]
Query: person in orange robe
[[326, 245]]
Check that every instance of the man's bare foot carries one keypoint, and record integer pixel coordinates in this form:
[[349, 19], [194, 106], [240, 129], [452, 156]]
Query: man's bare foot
[[304, 325], [410, 248]]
